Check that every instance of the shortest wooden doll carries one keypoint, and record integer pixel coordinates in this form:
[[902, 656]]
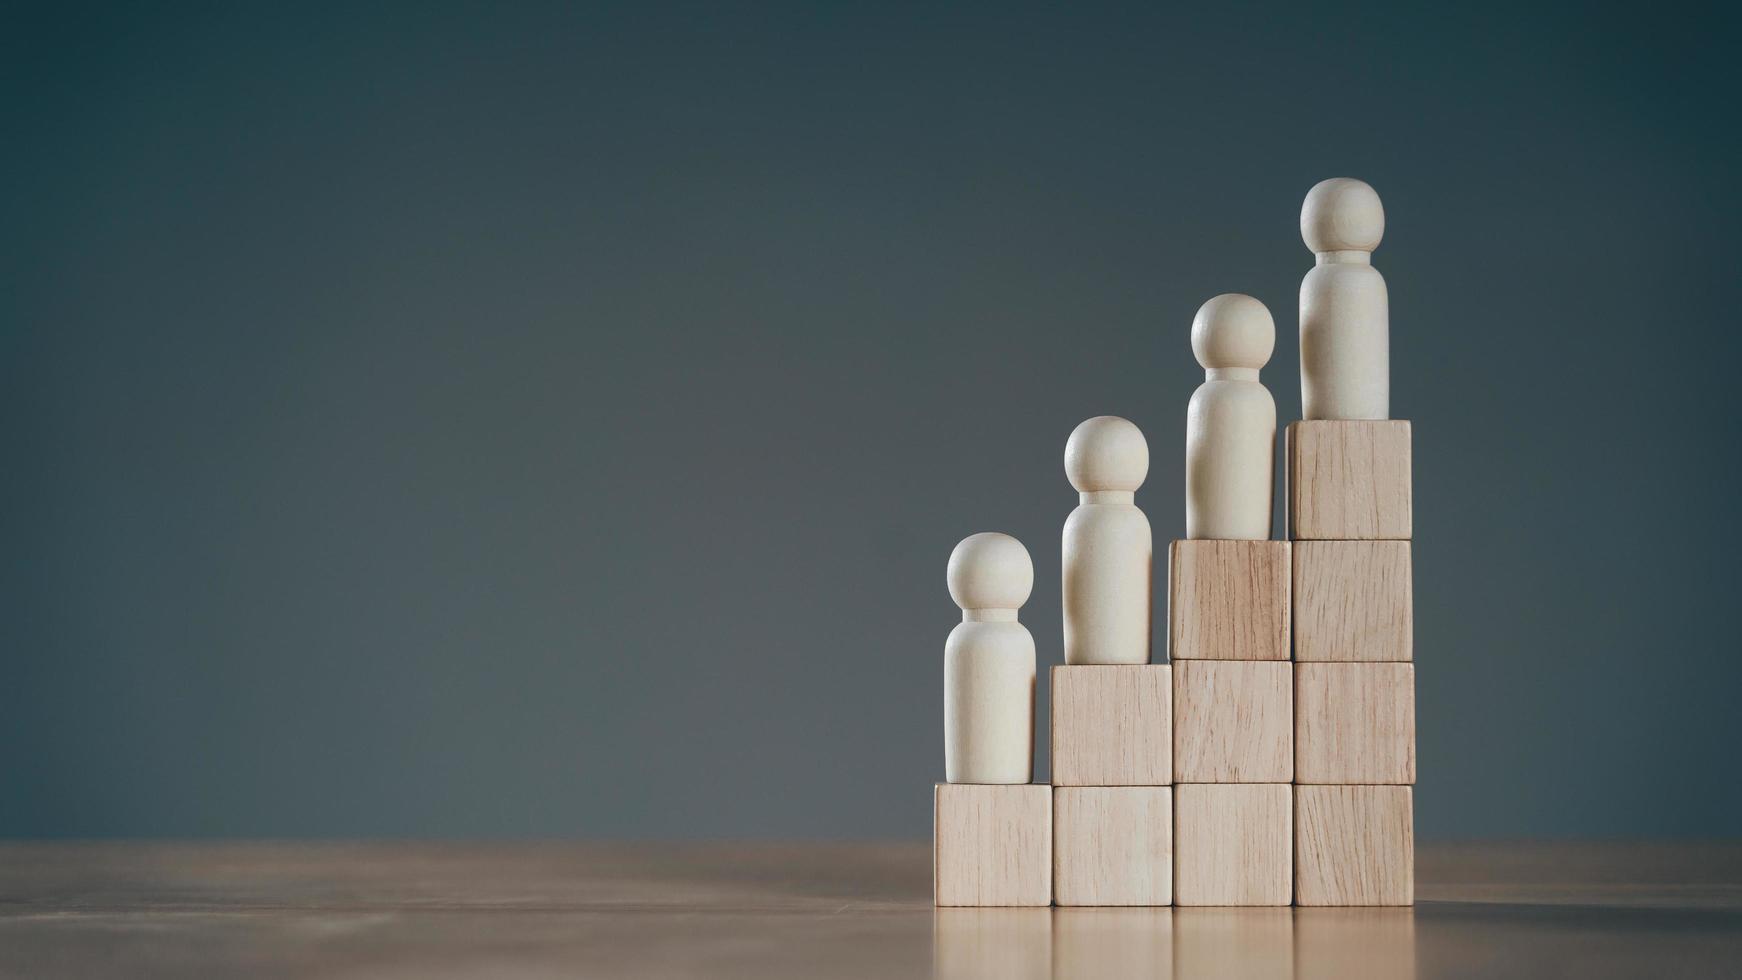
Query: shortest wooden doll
[[989, 664]]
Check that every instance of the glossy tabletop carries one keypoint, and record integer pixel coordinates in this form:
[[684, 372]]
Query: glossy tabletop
[[821, 910]]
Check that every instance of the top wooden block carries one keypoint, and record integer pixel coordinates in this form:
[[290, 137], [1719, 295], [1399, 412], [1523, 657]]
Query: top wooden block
[[1349, 481]]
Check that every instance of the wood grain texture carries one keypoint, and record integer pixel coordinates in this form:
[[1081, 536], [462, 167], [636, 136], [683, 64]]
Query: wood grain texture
[[1228, 600], [1233, 844], [992, 845], [1354, 723], [1233, 722], [1349, 480], [774, 910], [1354, 845], [1353, 601], [1113, 845], [1112, 725]]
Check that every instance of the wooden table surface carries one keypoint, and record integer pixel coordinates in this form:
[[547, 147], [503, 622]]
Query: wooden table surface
[[265, 910]]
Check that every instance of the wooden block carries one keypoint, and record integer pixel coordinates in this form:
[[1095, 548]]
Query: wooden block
[[1112, 845], [1233, 722], [1232, 844], [1354, 845], [1354, 723], [1349, 481], [992, 845], [1353, 601], [1228, 600], [1112, 725]]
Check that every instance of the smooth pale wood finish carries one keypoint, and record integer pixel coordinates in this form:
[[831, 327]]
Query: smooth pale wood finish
[[989, 665], [1349, 481], [775, 910], [1345, 332], [1112, 845], [1228, 600], [992, 845], [1233, 722], [1107, 547], [1233, 844], [1354, 723], [1231, 422], [1354, 845], [1112, 725], [1353, 601]]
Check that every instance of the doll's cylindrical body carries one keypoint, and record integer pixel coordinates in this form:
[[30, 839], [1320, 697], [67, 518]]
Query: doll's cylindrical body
[[1345, 340], [1107, 545], [1345, 313], [1108, 554], [1230, 460], [989, 672]]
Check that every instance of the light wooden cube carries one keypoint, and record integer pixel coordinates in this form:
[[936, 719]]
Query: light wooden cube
[[1112, 725], [992, 845], [1228, 600], [1354, 845], [1354, 723], [1233, 844], [1353, 601], [1349, 480], [1112, 845], [1233, 722]]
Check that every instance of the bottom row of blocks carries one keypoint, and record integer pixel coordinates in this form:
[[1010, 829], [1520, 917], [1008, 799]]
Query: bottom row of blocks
[[1190, 844]]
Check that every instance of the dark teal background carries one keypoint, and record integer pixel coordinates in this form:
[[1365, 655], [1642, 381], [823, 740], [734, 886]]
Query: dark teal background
[[521, 420]]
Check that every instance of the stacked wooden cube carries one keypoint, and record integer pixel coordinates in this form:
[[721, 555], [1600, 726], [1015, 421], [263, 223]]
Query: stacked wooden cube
[[1271, 760], [1349, 518]]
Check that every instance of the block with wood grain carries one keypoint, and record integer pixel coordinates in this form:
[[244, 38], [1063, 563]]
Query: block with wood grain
[[1112, 725], [992, 844], [1228, 600], [1113, 845], [1233, 844], [1349, 480], [1354, 845], [1353, 601], [1354, 723], [1233, 721]]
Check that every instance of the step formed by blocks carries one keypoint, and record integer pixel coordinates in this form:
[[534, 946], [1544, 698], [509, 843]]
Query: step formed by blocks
[[1354, 723], [1113, 845], [1112, 725], [1349, 480], [1233, 722], [1353, 601], [1233, 844], [1228, 600], [992, 845], [1354, 845]]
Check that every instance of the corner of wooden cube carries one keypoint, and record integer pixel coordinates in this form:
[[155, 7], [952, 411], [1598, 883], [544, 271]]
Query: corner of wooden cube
[[1228, 600], [1113, 845], [1354, 845], [1353, 601], [1349, 480], [1112, 725], [992, 844]]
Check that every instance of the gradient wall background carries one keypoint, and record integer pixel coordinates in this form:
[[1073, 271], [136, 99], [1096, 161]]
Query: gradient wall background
[[463, 420]]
